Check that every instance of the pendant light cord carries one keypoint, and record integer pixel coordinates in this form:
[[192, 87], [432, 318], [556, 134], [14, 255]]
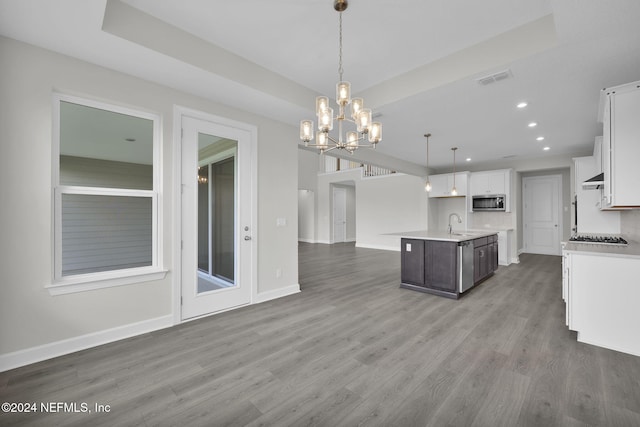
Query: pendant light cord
[[340, 70]]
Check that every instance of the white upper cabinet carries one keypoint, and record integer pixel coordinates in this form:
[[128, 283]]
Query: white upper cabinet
[[489, 182], [441, 185], [620, 107]]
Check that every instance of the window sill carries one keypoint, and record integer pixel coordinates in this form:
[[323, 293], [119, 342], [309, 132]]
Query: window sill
[[93, 281]]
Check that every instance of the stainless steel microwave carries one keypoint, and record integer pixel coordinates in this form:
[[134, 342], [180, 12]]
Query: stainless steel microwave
[[491, 202]]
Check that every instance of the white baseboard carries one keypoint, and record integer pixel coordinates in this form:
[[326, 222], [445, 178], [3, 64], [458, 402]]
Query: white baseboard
[[83, 342], [324, 242], [277, 293], [306, 240], [381, 247], [350, 240]]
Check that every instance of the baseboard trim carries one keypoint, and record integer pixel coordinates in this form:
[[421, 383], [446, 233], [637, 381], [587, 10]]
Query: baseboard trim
[[306, 240], [380, 247], [591, 341], [277, 293], [39, 353]]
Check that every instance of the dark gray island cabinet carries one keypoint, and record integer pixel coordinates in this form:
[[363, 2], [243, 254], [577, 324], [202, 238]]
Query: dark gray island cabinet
[[447, 265]]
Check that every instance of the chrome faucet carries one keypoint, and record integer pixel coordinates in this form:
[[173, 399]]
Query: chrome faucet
[[459, 221]]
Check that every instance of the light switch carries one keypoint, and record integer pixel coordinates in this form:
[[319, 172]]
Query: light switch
[[408, 247], [281, 222]]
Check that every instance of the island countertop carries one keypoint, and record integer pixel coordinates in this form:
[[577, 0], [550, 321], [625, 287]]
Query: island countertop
[[456, 236]]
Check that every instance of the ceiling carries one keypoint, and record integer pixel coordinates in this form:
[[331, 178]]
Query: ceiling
[[415, 62]]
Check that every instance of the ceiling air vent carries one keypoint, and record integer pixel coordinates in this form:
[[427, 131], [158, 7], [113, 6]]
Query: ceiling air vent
[[496, 77]]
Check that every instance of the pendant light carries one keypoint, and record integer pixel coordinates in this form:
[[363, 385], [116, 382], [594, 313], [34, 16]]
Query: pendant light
[[427, 185], [454, 191]]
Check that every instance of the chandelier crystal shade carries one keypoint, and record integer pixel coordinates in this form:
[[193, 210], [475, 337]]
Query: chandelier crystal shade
[[361, 117]]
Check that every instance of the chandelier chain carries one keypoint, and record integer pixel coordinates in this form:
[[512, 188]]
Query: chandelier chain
[[340, 70]]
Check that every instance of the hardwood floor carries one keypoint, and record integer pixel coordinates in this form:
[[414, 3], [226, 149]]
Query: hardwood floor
[[352, 349]]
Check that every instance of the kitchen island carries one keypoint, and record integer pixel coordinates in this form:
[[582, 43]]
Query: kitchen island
[[447, 264]]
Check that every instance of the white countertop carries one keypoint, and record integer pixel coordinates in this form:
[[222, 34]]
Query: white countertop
[[456, 236], [632, 250]]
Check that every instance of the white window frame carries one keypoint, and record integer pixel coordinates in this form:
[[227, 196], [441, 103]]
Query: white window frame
[[105, 279]]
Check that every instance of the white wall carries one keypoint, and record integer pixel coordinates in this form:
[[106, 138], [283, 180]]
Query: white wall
[[306, 216], [384, 204], [29, 315], [389, 204]]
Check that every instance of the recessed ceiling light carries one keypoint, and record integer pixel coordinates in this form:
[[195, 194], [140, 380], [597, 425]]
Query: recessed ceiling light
[[532, 124], [547, 148], [468, 159], [522, 104], [540, 138]]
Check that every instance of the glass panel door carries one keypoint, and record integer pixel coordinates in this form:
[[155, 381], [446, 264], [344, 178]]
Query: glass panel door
[[216, 212], [217, 250]]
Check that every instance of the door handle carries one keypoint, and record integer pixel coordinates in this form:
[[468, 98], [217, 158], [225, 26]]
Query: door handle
[[247, 237]]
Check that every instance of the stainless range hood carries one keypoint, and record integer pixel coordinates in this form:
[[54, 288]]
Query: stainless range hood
[[594, 183]]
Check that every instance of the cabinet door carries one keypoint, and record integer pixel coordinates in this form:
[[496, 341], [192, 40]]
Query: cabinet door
[[606, 152], [412, 262], [439, 186], [497, 183], [479, 183], [461, 183], [440, 265], [479, 263], [494, 255], [625, 147]]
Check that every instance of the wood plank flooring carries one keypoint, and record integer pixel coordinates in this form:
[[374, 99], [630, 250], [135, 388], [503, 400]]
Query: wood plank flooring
[[352, 349]]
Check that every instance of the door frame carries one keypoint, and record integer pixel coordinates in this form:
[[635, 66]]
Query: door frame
[[179, 112], [558, 179]]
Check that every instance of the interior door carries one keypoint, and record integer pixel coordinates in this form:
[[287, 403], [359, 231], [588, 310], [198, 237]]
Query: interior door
[[216, 217], [339, 214], [541, 214]]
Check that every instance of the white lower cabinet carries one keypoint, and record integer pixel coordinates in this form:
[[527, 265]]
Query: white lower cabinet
[[601, 294], [504, 247]]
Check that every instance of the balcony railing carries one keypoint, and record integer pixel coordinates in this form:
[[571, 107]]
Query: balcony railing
[[334, 164]]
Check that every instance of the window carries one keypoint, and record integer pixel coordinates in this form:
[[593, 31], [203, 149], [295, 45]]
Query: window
[[106, 176]]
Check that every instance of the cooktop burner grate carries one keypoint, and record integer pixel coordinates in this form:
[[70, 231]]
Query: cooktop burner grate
[[599, 240]]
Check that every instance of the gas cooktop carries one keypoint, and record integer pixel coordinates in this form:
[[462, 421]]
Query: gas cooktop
[[599, 240]]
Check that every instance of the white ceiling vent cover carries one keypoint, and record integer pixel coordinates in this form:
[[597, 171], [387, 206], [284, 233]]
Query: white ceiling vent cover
[[496, 77]]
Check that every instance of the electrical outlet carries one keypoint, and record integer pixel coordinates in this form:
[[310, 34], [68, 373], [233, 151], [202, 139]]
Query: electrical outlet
[[278, 273]]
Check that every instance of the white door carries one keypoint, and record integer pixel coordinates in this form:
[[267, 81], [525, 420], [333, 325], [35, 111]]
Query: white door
[[216, 269], [339, 214], [541, 214]]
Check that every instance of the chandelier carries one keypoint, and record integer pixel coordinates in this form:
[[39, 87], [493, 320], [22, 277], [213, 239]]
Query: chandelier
[[361, 117]]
